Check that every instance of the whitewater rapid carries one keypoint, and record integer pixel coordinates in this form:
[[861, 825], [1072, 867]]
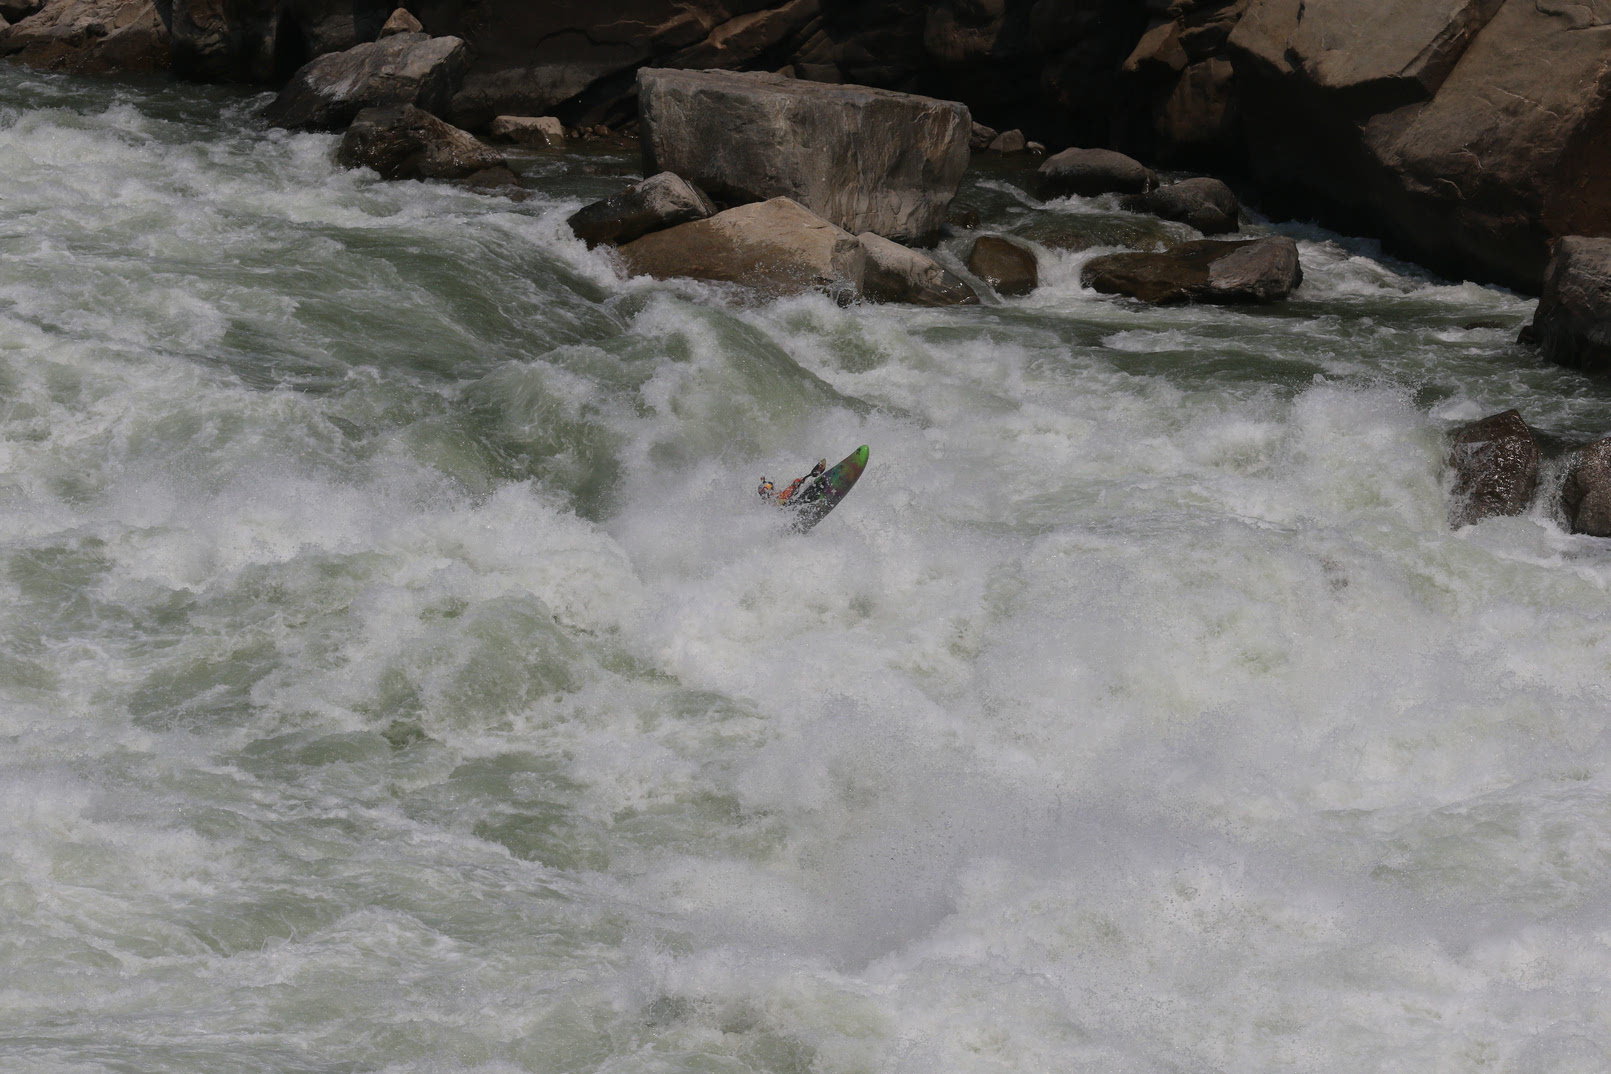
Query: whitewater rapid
[[398, 673]]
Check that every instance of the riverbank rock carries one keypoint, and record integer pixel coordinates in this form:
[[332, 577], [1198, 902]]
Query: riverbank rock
[[1089, 172], [402, 69], [1495, 463], [1008, 267], [895, 273], [401, 21], [1208, 270], [89, 37], [405, 142], [1009, 143], [777, 246], [981, 136], [863, 159], [1573, 322], [1586, 493], [1205, 204], [656, 203], [257, 41], [544, 132]]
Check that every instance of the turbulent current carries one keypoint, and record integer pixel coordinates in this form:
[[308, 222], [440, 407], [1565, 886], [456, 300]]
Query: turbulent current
[[398, 672]]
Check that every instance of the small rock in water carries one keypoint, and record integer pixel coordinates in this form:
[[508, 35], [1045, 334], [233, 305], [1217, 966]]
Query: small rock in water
[[409, 143], [1204, 203], [1586, 493], [658, 202], [1089, 172], [1005, 265], [1208, 270], [962, 216], [1495, 463], [401, 21], [895, 273], [541, 131], [1008, 143]]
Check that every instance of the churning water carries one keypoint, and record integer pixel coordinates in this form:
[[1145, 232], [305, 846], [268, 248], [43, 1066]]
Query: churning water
[[398, 673]]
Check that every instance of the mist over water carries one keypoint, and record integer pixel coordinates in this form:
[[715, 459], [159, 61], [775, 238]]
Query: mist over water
[[398, 673]]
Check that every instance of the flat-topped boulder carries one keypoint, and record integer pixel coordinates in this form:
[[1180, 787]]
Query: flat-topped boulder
[[1089, 172], [656, 203], [1573, 322], [897, 273], [1208, 270], [1495, 463], [404, 142], [401, 69], [1203, 203], [778, 246], [864, 159]]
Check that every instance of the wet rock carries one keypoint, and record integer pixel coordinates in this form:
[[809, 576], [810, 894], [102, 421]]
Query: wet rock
[[658, 202], [965, 216], [1088, 231], [1035, 149], [410, 69], [980, 137], [1006, 266], [542, 131], [864, 159], [404, 142], [1495, 463], [778, 247], [1586, 493], [1208, 270], [89, 37], [1204, 203], [499, 181], [1573, 322], [895, 273], [1089, 172], [401, 22], [1008, 143]]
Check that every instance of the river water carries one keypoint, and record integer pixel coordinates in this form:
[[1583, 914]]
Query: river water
[[398, 673]]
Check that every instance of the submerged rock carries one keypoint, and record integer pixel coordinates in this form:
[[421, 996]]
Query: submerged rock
[[409, 143], [410, 69], [1586, 493], [1495, 463], [1205, 204], [1573, 322], [1089, 172], [864, 159], [1208, 270], [895, 273], [658, 202], [778, 247], [1008, 267]]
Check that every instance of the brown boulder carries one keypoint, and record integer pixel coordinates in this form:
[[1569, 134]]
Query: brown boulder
[[778, 247], [1204, 203], [1006, 266], [1089, 172], [1573, 322], [980, 137], [1495, 463], [1586, 493], [402, 69], [895, 273], [405, 142], [89, 37], [542, 131], [401, 21], [656, 203], [1208, 270], [1008, 143], [864, 159]]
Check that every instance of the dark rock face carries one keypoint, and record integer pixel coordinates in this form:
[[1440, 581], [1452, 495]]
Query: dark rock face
[[87, 36], [404, 142], [1089, 172], [659, 202], [1495, 463], [896, 274], [1209, 270], [401, 69], [1586, 493], [777, 246], [1206, 204], [1573, 323], [864, 159], [266, 40], [1006, 266]]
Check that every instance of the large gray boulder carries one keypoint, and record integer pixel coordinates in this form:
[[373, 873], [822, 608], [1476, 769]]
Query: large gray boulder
[[1495, 463], [864, 159], [1573, 322], [88, 36], [779, 247], [401, 69], [656, 203], [1204, 203], [1089, 172], [1209, 270], [405, 142], [1586, 492], [895, 273]]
